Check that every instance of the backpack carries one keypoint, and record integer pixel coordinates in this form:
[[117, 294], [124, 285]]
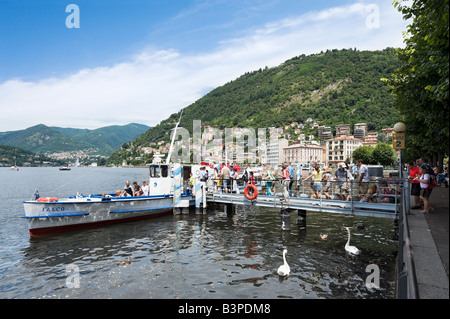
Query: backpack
[[432, 183], [430, 172]]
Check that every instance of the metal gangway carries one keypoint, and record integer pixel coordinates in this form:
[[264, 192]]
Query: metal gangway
[[302, 200]]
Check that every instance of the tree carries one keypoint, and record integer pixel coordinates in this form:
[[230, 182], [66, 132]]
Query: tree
[[101, 162], [420, 85], [384, 154], [363, 153]]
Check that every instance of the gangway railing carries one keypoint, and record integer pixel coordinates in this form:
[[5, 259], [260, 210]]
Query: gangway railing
[[273, 193]]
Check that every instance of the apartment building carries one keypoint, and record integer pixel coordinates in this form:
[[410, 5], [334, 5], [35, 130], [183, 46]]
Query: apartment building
[[360, 130], [303, 153], [274, 151], [371, 139], [338, 149], [343, 129]]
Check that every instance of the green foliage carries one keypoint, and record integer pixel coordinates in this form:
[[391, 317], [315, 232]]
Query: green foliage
[[384, 154], [420, 84], [363, 153]]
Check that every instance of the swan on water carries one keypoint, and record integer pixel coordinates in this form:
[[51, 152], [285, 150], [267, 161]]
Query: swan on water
[[284, 269], [351, 249]]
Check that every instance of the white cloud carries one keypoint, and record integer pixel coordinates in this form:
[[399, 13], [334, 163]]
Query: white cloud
[[153, 84]]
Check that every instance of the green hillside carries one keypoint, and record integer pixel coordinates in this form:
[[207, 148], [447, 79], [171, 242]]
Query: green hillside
[[335, 87], [44, 139], [110, 138]]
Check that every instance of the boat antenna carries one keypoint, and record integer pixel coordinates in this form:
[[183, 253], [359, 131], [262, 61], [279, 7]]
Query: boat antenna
[[173, 139]]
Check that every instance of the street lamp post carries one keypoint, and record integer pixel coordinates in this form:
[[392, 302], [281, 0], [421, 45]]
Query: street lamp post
[[399, 144]]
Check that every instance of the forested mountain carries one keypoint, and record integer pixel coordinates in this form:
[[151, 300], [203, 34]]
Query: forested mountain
[[44, 139], [109, 138], [333, 87]]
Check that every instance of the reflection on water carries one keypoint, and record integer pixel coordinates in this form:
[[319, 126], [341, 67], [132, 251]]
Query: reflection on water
[[213, 256], [203, 256]]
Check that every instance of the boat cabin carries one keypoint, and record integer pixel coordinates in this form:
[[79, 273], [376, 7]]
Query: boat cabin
[[161, 178], [160, 182]]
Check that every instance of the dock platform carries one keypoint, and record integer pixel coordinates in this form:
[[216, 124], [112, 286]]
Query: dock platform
[[384, 210]]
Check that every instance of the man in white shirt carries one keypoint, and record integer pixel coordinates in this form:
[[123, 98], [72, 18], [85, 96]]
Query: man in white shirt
[[363, 177], [145, 189]]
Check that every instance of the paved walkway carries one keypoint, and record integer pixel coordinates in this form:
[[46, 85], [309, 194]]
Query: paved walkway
[[430, 240]]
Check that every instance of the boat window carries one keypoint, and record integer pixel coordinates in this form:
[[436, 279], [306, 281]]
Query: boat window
[[164, 171], [155, 171]]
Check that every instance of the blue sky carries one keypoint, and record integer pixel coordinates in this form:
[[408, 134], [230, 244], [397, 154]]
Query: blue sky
[[142, 60]]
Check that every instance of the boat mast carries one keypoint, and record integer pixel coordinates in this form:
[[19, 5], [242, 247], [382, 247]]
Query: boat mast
[[173, 140]]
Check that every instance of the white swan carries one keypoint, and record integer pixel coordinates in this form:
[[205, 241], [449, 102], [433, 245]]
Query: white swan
[[284, 269], [351, 249]]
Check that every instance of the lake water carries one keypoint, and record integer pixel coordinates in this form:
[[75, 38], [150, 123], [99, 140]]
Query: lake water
[[212, 256]]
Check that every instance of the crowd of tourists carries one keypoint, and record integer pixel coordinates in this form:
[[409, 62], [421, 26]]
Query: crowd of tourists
[[320, 180]]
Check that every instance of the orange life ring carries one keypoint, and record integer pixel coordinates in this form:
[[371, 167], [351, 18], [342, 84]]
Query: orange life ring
[[255, 192], [47, 199]]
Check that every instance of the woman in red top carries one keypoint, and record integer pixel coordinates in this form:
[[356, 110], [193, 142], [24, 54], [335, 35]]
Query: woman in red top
[[415, 185]]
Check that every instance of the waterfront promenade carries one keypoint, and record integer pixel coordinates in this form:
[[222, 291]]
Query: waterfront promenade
[[430, 240]]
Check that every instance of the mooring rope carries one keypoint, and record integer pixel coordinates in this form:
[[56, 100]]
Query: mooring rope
[[70, 182]]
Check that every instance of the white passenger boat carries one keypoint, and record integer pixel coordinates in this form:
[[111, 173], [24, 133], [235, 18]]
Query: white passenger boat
[[46, 215]]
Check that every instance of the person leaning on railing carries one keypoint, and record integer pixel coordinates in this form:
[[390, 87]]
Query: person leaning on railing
[[317, 178], [389, 191], [343, 181]]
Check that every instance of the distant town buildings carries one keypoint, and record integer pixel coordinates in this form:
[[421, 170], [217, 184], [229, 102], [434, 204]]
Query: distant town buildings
[[325, 147], [371, 139]]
